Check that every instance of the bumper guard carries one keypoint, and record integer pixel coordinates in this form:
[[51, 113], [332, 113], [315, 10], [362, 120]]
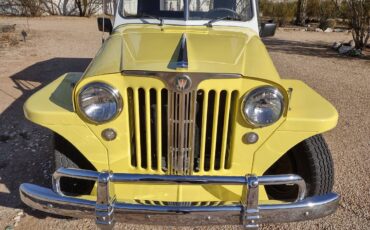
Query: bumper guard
[[248, 213]]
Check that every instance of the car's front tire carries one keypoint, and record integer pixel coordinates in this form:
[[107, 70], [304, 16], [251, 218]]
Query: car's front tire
[[67, 156], [311, 159]]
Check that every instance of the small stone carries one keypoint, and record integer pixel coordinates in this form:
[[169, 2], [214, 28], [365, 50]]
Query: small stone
[[20, 213], [318, 30], [338, 30], [17, 218], [352, 44], [329, 30], [311, 29], [337, 45]]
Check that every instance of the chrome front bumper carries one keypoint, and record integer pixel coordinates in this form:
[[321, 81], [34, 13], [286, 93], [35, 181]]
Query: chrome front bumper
[[106, 210]]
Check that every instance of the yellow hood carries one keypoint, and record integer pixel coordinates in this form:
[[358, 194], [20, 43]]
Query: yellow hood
[[210, 50]]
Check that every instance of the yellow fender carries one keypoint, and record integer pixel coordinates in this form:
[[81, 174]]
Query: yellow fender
[[52, 107]]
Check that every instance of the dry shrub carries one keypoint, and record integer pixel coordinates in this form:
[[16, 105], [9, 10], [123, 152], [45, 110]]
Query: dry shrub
[[8, 39], [282, 12], [21, 7], [322, 11], [357, 12]]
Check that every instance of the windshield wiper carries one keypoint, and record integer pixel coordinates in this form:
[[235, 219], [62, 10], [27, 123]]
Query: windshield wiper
[[154, 17], [210, 23]]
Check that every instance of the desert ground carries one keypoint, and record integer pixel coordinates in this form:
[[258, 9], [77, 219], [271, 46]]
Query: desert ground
[[58, 45]]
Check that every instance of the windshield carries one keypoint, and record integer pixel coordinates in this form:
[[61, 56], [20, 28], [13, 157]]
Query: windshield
[[237, 10]]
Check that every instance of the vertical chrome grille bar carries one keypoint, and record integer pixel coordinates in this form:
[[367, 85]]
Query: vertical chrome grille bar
[[176, 133], [181, 138], [192, 120], [185, 133], [170, 133]]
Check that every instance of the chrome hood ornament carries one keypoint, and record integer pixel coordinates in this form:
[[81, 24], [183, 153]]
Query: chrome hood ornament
[[182, 60]]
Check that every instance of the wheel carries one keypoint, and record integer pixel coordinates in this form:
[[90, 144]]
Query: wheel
[[310, 159], [67, 156]]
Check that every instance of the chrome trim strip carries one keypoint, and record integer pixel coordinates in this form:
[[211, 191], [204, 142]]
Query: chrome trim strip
[[168, 78], [248, 212], [173, 74]]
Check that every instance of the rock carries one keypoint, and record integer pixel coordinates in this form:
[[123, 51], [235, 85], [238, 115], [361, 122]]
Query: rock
[[338, 30], [318, 30], [352, 44], [311, 29], [328, 30], [336, 45], [344, 49], [20, 213], [17, 218]]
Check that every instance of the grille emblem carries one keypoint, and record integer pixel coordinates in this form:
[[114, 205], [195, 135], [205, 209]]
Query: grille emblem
[[182, 83]]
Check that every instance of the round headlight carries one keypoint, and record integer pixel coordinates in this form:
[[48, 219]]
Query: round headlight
[[263, 106], [99, 102]]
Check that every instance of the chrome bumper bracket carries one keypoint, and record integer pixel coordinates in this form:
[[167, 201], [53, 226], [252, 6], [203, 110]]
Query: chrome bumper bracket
[[250, 204], [106, 209]]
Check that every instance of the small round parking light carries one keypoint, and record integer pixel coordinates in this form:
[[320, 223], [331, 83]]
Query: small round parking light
[[109, 134], [250, 138]]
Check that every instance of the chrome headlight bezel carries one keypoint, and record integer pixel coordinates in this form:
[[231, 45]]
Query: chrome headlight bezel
[[111, 90], [259, 90]]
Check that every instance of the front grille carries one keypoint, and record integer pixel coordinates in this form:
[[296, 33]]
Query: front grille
[[181, 133]]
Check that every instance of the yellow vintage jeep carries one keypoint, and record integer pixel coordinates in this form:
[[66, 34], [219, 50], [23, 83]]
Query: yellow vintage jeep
[[182, 119]]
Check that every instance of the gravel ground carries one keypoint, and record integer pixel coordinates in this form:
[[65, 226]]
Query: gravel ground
[[58, 45]]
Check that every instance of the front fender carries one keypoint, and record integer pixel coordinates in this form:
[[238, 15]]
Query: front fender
[[308, 114], [52, 107]]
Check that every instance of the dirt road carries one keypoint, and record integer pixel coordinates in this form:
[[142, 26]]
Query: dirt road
[[58, 45]]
